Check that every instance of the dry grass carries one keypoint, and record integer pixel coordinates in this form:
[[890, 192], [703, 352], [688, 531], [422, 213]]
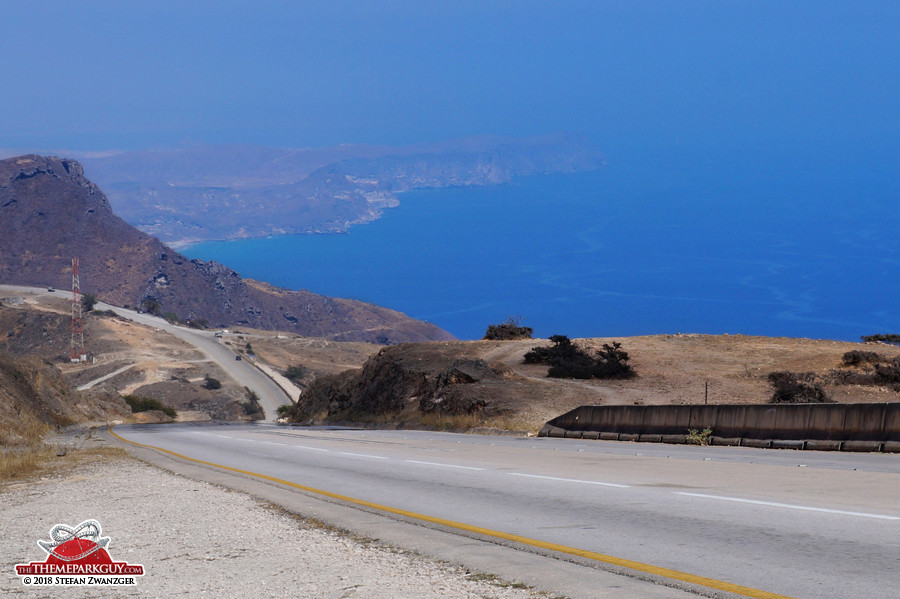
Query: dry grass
[[25, 431], [24, 453], [514, 422], [451, 422], [468, 422], [24, 462], [22, 449]]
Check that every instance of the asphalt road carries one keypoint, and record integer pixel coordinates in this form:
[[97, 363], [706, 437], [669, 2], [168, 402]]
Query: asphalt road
[[242, 372], [813, 525]]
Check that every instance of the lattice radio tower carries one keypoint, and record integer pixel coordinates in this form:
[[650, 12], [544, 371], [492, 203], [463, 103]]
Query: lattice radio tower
[[77, 344]]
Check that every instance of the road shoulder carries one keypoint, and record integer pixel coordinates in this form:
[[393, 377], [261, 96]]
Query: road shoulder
[[193, 537]]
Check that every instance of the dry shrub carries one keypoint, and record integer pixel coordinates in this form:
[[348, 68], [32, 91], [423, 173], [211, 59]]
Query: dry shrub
[[796, 387]]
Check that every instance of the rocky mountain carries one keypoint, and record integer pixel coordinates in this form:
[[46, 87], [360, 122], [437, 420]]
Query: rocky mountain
[[228, 192], [50, 212]]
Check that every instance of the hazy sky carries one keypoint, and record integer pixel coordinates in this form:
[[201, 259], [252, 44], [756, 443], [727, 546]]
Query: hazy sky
[[93, 74]]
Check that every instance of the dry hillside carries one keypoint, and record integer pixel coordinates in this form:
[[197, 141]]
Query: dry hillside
[[486, 383], [458, 384], [127, 358]]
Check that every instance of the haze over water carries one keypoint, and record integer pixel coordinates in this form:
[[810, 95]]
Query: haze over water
[[753, 146], [781, 243]]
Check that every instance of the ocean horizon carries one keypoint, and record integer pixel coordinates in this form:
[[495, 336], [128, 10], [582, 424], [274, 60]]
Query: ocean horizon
[[794, 243]]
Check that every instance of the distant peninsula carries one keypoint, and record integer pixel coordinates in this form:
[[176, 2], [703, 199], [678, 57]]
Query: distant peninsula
[[51, 212], [205, 193]]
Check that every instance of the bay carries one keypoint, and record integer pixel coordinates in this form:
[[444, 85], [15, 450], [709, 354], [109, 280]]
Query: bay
[[795, 243]]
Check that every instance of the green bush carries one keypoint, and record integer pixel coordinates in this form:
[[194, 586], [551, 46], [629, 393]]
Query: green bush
[[88, 301], [295, 373], [698, 437], [211, 383], [139, 403]]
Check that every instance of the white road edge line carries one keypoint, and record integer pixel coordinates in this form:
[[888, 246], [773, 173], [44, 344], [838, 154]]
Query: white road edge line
[[306, 447], [443, 465], [362, 455], [571, 480], [791, 506]]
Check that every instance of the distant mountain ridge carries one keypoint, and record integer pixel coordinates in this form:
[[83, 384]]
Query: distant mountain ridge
[[203, 193], [50, 212]]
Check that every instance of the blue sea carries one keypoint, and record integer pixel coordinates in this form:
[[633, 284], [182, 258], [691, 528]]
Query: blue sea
[[795, 242]]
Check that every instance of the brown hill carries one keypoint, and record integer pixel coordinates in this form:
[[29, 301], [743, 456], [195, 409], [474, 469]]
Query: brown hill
[[49, 212]]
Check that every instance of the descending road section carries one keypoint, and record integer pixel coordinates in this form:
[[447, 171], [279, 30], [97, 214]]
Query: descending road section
[[243, 372], [727, 521]]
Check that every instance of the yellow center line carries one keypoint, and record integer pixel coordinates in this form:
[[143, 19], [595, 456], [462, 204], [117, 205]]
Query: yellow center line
[[591, 555]]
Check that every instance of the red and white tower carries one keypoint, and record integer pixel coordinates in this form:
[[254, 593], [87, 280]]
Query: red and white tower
[[77, 344]]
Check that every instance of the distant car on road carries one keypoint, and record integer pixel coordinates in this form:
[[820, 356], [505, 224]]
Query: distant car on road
[[238, 358], [51, 289]]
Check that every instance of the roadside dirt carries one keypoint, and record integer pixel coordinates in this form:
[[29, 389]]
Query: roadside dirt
[[197, 539]]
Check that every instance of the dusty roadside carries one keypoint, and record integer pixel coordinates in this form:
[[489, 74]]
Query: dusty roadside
[[197, 539]]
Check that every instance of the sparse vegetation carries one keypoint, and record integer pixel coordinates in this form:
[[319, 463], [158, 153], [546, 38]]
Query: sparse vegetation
[[212, 383], [867, 368], [450, 422], [698, 437], [145, 404], [857, 357], [151, 306], [88, 301], [22, 449], [796, 387], [295, 373], [171, 317], [508, 330], [252, 408], [889, 338], [568, 360]]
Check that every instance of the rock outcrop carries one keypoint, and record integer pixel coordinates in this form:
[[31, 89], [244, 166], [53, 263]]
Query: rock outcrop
[[407, 381]]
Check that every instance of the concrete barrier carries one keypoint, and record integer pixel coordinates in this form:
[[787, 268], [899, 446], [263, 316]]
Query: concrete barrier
[[827, 427], [818, 445]]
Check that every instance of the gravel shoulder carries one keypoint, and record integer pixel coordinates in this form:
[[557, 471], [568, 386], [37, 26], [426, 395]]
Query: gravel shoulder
[[197, 539]]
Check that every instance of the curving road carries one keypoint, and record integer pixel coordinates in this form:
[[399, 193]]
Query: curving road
[[242, 372], [755, 523]]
